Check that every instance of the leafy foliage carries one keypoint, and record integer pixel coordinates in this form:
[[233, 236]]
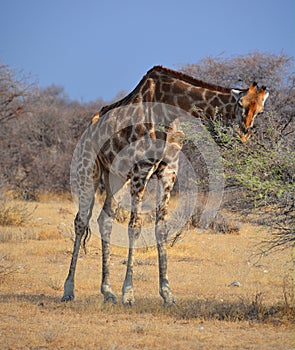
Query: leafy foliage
[[259, 174]]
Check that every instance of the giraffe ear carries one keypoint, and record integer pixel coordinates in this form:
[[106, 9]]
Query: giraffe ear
[[264, 93], [236, 93]]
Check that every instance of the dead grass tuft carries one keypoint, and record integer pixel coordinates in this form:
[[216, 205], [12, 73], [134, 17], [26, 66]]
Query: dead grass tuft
[[7, 267], [49, 234], [18, 235], [54, 283], [14, 213]]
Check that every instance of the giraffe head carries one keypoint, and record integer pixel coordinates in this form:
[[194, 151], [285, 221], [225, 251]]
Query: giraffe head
[[249, 103]]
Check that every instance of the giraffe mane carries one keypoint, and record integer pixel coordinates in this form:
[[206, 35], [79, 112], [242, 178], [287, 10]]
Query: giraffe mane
[[189, 79]]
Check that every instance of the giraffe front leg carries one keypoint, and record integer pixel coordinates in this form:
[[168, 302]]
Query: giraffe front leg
[[134, 229], [164, 288], [127, 290], [106, 288], [69, 283], [164, 187], [105, 222]]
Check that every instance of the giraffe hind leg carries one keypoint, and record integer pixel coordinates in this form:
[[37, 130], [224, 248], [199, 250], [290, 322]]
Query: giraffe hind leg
[[86, 190], [69, 283], [81, 225]]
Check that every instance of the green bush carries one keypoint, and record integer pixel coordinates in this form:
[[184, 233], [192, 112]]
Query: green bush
[[260, 173]]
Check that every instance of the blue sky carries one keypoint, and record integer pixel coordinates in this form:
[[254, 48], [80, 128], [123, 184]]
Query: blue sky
[[97, 48]]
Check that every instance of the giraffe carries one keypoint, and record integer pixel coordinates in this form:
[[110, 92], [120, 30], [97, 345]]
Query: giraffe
[[125, 142]]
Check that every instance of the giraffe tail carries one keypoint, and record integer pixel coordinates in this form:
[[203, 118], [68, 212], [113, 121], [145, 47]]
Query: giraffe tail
[[88, 232], [86, 239]]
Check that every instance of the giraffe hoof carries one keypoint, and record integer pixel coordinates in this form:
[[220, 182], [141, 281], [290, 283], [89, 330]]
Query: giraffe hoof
[[167, 296], [67, 298], [110, 298], [128, 302], [128, 297], [169, 302]]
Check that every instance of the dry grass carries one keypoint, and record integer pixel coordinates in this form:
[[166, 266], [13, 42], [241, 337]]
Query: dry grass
[[14, 213], [210, 312], [244, 309]]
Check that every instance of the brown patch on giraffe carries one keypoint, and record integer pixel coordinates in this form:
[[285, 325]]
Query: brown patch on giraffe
[[184, 102], [215, 102], [116, 143], [170, 99], [209, 111], [201, 104], [125, 133], [140, 130], [149, 126], [208, 95], [228, 110], [159, 94], [223, 98], [166, 87], [178, 87]]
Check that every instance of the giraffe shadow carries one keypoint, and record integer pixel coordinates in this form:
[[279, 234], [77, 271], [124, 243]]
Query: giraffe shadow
[[34, 299], [243, 309], [255, 310]]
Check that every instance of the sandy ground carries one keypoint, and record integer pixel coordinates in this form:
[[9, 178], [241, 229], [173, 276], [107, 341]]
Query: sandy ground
[[210, 313]]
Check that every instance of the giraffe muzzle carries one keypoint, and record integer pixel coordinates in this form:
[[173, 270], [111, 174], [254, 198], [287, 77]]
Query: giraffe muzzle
[[244, 134]]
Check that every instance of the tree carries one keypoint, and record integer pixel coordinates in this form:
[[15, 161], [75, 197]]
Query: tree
[[13, 93], [39, 129]]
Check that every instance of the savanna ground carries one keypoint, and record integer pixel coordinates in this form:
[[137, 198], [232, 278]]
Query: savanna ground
[[210, 312]]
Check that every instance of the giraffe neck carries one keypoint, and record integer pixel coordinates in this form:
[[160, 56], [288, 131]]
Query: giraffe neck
[[166, 86], [200, 99], [208, 103]]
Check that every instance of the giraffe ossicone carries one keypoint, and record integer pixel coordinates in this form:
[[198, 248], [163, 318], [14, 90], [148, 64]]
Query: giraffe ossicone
[[139, 138]]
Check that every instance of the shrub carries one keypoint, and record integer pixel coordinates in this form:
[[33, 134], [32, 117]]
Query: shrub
[[260, 173], [13, 214]]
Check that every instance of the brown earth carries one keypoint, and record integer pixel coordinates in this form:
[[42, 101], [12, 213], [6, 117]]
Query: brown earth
[[210, 313]]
